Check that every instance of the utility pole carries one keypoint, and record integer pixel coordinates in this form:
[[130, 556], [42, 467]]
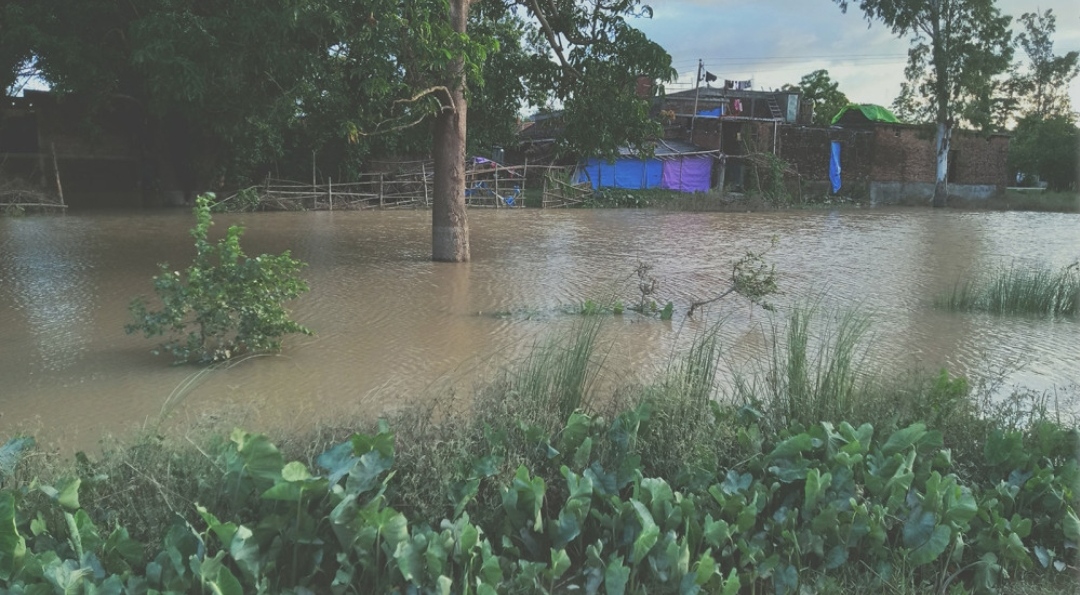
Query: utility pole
[[697, 92]]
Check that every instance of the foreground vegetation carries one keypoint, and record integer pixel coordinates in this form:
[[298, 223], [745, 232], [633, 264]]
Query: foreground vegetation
[[809, 475]]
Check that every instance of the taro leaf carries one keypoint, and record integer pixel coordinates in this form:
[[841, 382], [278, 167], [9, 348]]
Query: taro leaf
[[716, 532], [244, 549], [927, 539], [461, 493], [120, 545], [615, 577], [786, 580], [11, 452], [67, 577], [338, 461], [1070, 525], [659, 491], [797, 444], [732, 584], [836, 557], [560, 563], [408, 559], [583, 454], [444, 584], [224, 531], [382, 443], [365, 474], [903, 439], [960, 506], [258, 457], [12, 545], [566, 529], [88, 536], [67, 496], [648, 536], [1005, 448], [735, 483], [706, 568], [574, 434], [815, 489], [490, 572], [485, 466], [225, 583]]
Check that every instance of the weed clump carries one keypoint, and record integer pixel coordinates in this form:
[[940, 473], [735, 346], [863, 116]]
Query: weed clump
[[1019, 290]]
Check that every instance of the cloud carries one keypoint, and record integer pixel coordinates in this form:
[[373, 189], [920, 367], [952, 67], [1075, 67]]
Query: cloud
[[778, 41]]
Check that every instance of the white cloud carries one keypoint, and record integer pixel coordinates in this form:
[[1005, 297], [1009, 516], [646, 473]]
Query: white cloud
[[778, 41]]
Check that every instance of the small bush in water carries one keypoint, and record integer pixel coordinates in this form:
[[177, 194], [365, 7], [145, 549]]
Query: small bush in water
[[224, 303]]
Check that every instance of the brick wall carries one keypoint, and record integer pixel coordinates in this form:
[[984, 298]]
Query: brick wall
[[908, 154], [807, 149]]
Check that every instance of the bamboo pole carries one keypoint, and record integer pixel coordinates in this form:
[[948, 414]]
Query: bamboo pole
[[423, 175], [56, 170]]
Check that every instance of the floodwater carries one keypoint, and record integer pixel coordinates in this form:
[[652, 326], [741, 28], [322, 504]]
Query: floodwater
[[393, 327]]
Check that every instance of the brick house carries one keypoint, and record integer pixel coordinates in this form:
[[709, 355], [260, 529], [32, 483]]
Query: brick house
[[883, 162]]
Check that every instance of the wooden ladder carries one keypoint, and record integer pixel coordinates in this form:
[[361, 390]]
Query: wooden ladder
[[775, 109]]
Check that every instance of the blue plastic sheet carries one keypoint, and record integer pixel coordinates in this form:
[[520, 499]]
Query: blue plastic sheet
[[632, 174], [834, 166]]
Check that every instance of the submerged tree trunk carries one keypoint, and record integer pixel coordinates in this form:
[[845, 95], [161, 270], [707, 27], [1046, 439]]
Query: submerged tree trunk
[[941, 183], [449, 224]]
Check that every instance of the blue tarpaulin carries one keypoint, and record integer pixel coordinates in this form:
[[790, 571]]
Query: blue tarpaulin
[[629, 173], [834, 166], [716, 112]]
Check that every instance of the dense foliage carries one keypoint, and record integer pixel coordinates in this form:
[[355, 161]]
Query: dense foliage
[[824, 92], [795, 514], [223, 304]]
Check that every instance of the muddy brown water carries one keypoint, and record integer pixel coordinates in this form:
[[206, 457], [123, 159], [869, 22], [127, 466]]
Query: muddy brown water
[[393, 327]]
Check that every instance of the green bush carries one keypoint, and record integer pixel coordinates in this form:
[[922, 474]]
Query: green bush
[[225, 303]]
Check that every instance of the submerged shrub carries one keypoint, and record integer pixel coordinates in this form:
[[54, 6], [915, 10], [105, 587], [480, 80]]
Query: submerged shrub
[[223, 304]]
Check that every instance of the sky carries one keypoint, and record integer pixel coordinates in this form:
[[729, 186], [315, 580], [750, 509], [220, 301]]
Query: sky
[[774, 42]]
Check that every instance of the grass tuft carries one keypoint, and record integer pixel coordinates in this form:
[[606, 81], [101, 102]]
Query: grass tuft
[[1019, 290]]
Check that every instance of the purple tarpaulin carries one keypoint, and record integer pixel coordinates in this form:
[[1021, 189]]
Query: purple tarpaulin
[[689, 173]]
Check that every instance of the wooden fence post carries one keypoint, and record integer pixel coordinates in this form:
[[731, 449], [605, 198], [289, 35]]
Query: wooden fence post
[[330, 192], [381, 191], [423, 179]]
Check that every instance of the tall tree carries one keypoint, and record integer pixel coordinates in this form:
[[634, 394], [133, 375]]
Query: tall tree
[[1044, 87], [959, 49], [824, 92], [599, 57]]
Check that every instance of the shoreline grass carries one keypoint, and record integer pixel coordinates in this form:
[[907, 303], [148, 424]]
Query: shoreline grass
[[1018, 290], [548, 469]]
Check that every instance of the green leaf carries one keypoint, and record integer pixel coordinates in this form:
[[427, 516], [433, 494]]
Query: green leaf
[[12, 545], [792, 446], [1070, 525], [732, 584], [706, 569], [225, 583], [648, 536], [616, 575], [903, 439]]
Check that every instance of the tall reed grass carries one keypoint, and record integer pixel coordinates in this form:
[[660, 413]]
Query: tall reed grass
[[1018, 290], [814, 369]]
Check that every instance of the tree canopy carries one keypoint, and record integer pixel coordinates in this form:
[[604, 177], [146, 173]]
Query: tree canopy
[[824, 92], [258, 84], [960, 49]]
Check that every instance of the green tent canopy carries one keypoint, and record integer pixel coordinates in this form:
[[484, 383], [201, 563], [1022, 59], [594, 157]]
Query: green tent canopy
[[873, 113]]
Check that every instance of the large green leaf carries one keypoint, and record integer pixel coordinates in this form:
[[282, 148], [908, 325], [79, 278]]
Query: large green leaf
[[12, 545], [616, 575], [903, 439], [650, 532], [925, 538]]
